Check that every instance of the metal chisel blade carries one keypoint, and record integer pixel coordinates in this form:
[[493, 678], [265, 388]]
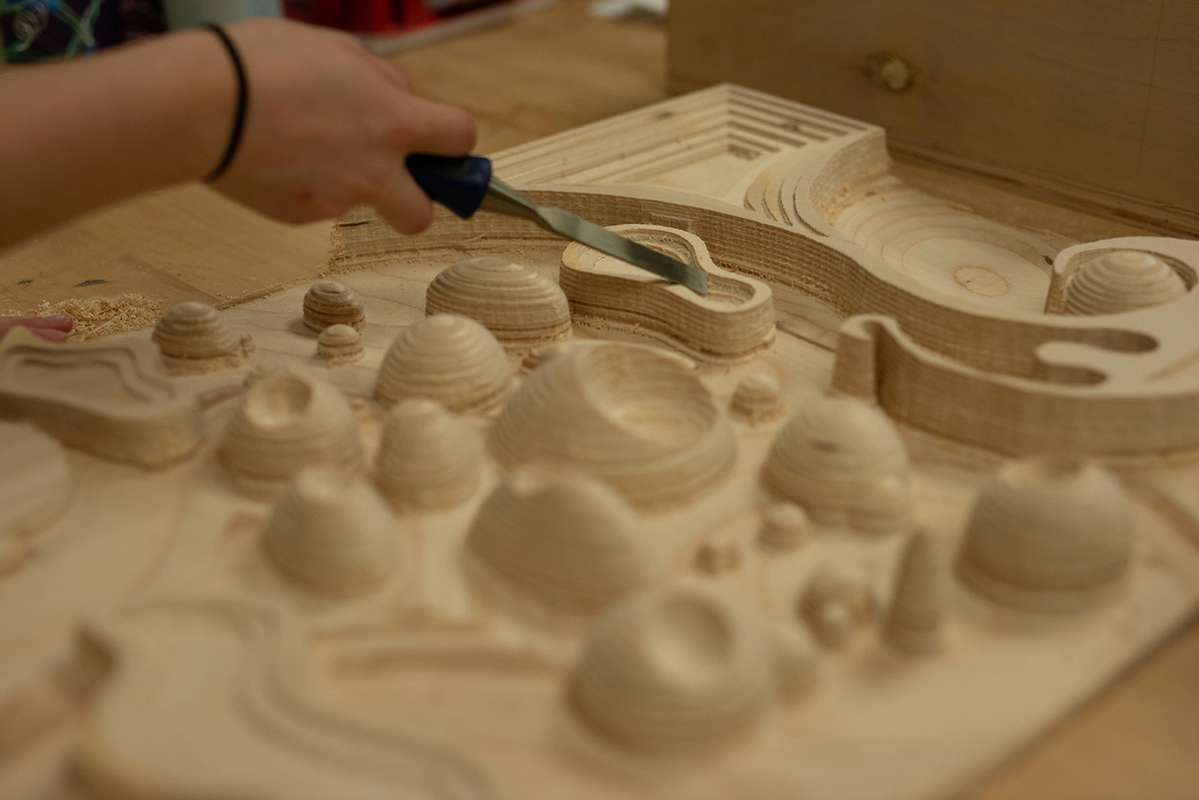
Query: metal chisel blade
[[580, 230]]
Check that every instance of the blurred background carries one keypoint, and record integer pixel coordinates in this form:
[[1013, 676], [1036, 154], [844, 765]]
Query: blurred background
[[37, 30]]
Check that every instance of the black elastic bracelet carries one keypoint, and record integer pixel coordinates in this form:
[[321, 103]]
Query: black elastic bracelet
[[243, 102]]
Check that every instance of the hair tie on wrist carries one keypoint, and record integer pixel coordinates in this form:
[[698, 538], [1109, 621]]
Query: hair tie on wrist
[[243, 101]]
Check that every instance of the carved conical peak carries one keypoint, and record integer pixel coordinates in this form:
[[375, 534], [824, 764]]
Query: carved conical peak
[[914, 618]]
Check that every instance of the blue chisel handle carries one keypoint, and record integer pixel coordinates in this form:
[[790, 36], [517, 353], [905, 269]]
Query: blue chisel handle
[[459, 184]]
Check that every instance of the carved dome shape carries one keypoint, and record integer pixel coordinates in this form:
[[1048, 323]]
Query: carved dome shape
[[332, 532], [519, 305], [450, 359], [192, 337], [562, 539], [339, 344], [633, 418], [428, 458], [844, 463], [330, 302], [677, 669], [288, 421], [758, 399], [1047, 535], [1122, 280]]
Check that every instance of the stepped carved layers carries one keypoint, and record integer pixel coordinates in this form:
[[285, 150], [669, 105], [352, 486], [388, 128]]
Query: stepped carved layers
[[633, 418], [1048, 535], [331, 302], [452, 360], [758, 399], [1122, 280], [339, 344], [844, 463], [286, 422], [193, 338], [519, 305]]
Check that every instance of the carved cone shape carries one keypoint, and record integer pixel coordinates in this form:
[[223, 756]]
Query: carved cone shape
[[428, 458], [339, 344], [1123, 280], [563, 539], [332, 533], [1048, 535], [678, 669], [913, 622], [288, 421], [520, 306], [758, 399], [332, 303], [843, 462], [450, 359], [637, 420], [193, 337]]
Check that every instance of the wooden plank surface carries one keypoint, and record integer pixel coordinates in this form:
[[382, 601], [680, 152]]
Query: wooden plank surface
[[543, 74]]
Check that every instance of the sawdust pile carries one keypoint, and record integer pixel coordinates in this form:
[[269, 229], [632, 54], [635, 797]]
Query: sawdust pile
[[103, 316]]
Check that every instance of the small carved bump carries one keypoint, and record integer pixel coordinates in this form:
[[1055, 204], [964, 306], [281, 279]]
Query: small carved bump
[[428, 458], [1122, 280], [630, 416], [450, 359], [332, 533], [678, 669], [339, 344], [785, 527], [519, 305], [835, 606], [914, 619], [330, 302], [758, 399], [718, 555], [1048, 535], [192, 338], [288, 421], [844, 463], [562, 539]]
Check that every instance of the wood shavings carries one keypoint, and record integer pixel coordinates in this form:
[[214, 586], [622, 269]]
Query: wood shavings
[[102, 316]]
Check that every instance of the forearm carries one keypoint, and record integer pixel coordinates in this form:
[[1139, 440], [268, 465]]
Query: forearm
[[81, 135]]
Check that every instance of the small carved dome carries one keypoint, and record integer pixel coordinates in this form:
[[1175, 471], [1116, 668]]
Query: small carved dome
[[1047, 535], [428, 458], [332, 303], [339, 344], [331, 532], [450, 359], [627, 415], [835, 605], [677, 669], [519, 305], [288, 421], [758, 399], [844, 463], [563, 539], [1122, 280], [193, 337], [785, 526]]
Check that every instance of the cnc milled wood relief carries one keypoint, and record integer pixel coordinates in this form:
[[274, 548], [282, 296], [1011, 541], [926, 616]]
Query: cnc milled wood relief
[[485, 515]]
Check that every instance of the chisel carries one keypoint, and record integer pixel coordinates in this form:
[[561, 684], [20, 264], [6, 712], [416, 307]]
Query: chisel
[[466, 185]]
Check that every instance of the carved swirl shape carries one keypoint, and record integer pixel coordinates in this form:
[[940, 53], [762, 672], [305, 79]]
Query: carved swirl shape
[[288, 421], [1047, 535], [677, 669], [450, 359], [844, 463], [633, 418], [520, 306]]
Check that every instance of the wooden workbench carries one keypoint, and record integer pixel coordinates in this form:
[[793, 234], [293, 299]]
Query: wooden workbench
[[548, 72]]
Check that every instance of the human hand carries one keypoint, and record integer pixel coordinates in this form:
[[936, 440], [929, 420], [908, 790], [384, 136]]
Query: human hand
[[53, 328], [329, 126]]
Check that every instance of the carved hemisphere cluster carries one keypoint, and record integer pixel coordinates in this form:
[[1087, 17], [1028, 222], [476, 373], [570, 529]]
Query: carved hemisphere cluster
[[628, 416]]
